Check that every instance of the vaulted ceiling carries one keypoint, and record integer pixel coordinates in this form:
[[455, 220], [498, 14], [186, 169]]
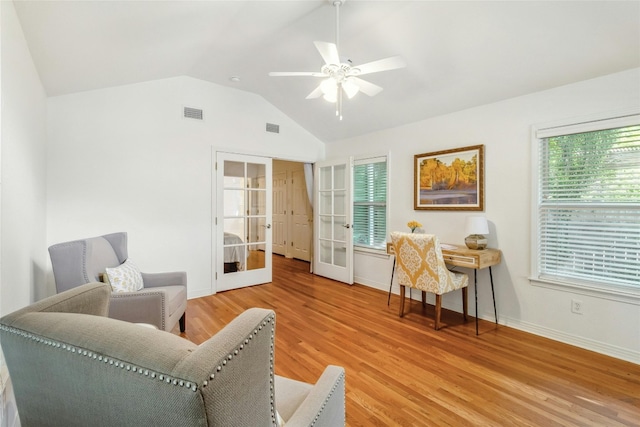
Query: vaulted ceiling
[[459, 54]]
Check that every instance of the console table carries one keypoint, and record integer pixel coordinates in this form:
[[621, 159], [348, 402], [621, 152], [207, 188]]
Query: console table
[[461, 256]]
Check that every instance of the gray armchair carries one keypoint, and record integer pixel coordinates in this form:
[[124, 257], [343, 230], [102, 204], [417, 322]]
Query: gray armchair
[[162, 302], [71, 366]]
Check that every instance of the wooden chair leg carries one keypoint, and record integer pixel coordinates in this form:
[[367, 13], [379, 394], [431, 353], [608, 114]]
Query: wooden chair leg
[[424, 299], [402, 290], [465, 294], [438, 310]]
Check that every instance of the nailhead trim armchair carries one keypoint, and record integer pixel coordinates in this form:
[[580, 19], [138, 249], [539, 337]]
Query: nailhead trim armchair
[[72, 366], [162, 302]]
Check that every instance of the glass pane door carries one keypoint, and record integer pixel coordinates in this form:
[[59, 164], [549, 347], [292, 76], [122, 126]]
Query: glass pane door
[[333, 219], [243, 221]]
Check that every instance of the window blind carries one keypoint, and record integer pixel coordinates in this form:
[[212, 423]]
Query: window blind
[[370, 203], [589, 207]]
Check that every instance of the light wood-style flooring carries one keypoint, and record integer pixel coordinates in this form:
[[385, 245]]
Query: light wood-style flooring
[[401, 372]]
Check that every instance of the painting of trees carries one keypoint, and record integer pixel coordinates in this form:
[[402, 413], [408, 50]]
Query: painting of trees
[[435, 174], [451, 179]]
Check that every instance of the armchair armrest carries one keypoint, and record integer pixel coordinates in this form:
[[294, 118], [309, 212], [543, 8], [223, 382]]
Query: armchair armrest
[[324, 405], [236, 371], [144, 306], [152, 280], [92, 298]]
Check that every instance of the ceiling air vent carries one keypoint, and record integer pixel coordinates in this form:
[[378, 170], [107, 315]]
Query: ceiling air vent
[[273, 128], [192, 113]]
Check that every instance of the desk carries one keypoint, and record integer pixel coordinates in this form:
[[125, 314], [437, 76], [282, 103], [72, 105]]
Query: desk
[[461, 256]]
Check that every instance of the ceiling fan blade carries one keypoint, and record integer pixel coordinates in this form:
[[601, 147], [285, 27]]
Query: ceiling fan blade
[[386, 64], [317, 93], [295, 73], [366, 87], [329, 52]]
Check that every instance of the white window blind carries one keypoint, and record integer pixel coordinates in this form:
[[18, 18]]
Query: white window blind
[[589, 204], [370, 203]]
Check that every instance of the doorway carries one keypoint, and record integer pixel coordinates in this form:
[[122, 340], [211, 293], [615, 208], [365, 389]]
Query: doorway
[[292, 212]]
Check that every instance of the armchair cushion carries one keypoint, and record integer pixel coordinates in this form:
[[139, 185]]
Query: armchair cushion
[[125, 278]]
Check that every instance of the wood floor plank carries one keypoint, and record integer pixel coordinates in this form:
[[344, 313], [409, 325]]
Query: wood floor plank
[[401, 372]]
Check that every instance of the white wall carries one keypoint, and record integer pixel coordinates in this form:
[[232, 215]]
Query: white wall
[[22, 190], [504, 128], [124, 159], [22, 241]]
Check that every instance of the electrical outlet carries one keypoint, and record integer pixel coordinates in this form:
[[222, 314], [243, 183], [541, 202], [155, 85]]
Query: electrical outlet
[[576, 306]]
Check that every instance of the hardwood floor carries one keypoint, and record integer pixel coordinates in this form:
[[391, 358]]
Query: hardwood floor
[[401, 372]]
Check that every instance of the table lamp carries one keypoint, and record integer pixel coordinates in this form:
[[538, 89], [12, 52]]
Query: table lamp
[[477, 227]]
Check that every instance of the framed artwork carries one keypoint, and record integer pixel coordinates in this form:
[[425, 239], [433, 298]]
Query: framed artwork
[[449, 180]]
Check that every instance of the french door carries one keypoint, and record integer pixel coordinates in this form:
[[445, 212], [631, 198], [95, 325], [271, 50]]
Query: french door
[[333, 219], [243, 221]]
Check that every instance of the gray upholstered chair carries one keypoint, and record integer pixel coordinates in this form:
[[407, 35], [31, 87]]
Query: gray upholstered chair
[[71, 366], [162, 301]]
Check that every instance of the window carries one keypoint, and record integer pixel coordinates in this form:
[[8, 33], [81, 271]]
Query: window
[[588, 205], [370, 203]]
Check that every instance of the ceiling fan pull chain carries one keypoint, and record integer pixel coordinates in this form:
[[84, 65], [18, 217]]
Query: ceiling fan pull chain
[[339, 101]]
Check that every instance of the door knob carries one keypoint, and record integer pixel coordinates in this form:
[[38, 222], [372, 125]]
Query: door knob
[[267, 226], [346, 226]]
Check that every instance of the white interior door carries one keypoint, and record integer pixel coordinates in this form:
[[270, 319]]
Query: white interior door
[[279, 213], [301, 217], [333, 218], [243, 221]]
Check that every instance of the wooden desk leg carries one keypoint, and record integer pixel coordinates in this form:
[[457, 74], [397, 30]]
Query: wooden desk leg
[[495, 310], [475, 289], [393, 270]]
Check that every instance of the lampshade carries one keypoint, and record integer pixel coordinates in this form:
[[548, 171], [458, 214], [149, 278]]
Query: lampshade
[[477, 225], [350, 88], [329, 89]]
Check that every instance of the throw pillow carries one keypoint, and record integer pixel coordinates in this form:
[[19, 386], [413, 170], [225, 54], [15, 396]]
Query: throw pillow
[[125, 278]]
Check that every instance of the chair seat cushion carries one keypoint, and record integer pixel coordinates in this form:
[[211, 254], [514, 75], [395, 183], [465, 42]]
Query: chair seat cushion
[[289, 395], [176, 296]]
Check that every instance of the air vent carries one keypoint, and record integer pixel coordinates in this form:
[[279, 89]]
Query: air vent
[[192, 113], [273, 128]]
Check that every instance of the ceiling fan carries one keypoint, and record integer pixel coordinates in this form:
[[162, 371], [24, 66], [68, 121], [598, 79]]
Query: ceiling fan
[[340, 75]]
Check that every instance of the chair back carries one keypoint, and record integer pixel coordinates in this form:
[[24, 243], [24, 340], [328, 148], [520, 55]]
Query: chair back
[[82, 261], [420, 263]]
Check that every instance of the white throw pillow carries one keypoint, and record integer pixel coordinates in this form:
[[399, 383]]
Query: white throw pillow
[[125, 278]]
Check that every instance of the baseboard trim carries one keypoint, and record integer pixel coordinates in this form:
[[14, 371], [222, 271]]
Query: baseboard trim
[[199, 293], [574, 340]]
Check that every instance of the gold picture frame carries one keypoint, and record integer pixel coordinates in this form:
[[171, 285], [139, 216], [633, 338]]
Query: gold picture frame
[[451, 180]]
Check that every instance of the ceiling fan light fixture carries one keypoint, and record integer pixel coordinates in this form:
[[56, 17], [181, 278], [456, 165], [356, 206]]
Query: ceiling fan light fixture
[[329, 88], [350, 88], [340, 75], [330, 97]]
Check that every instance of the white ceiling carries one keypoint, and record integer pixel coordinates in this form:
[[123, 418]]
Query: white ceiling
[[459, 54]]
